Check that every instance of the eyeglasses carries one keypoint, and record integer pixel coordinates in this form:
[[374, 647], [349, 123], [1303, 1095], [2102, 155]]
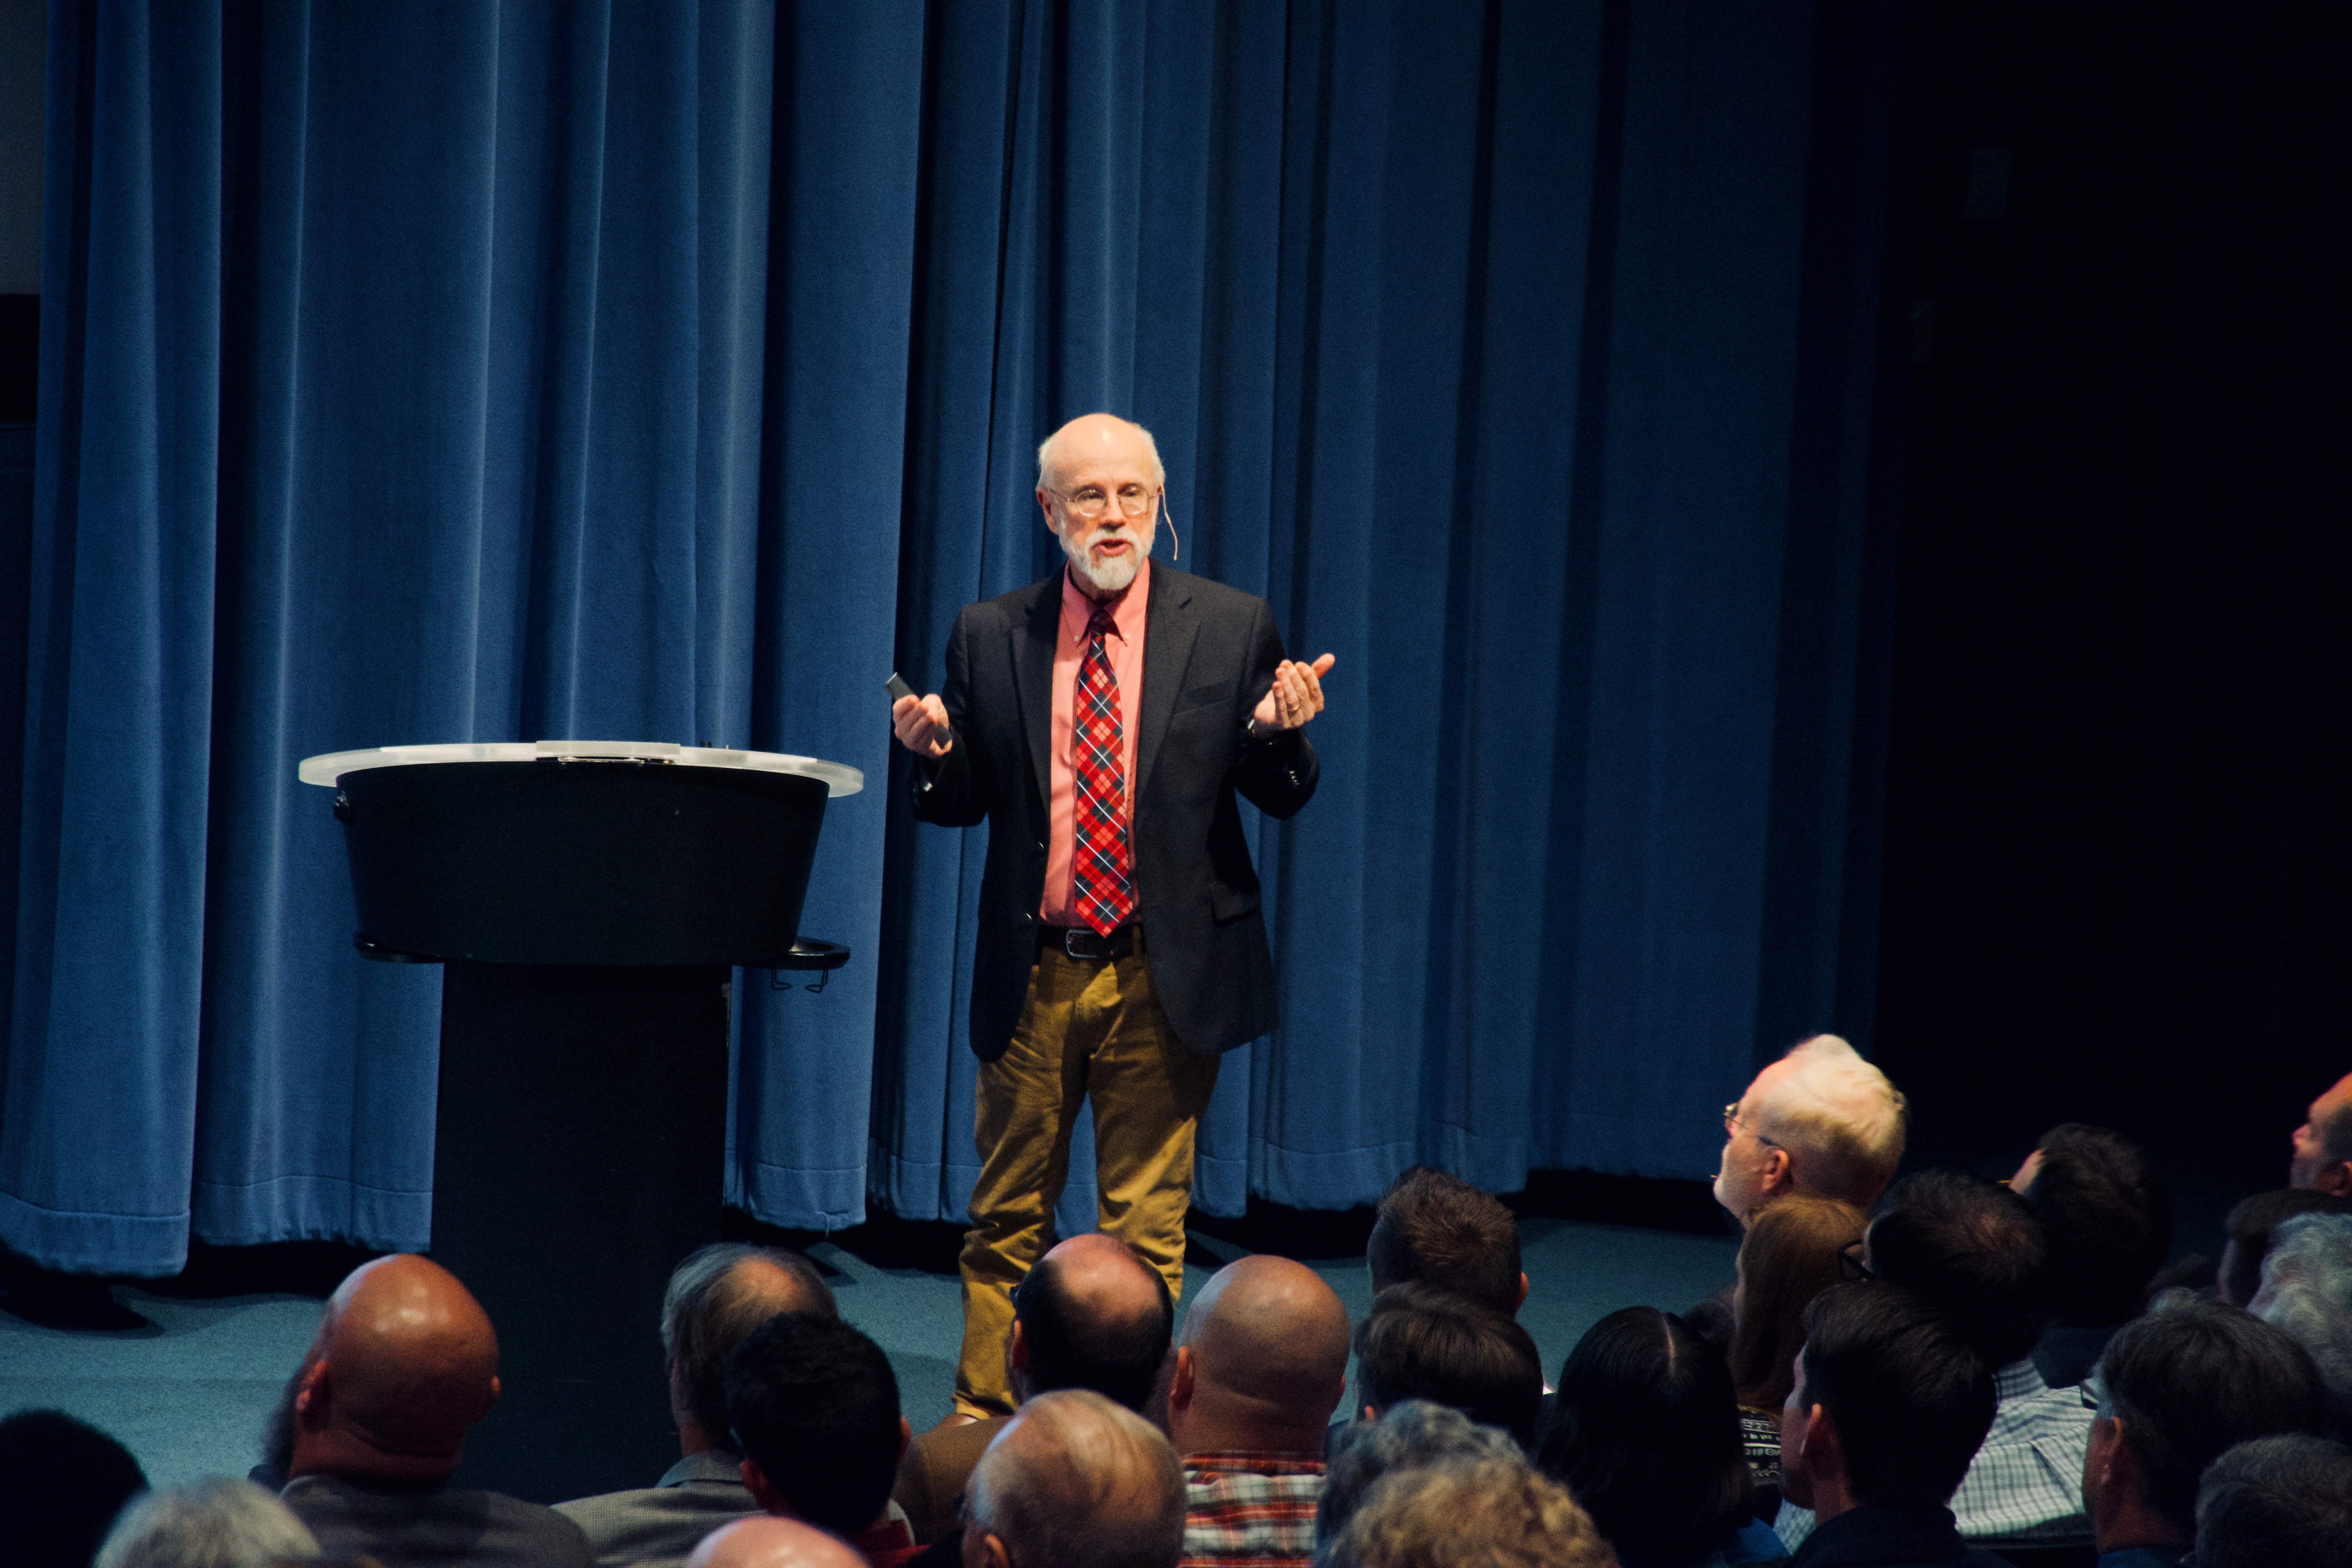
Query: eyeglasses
[[1850, 1263], [1093, 501], [1733, 1126]]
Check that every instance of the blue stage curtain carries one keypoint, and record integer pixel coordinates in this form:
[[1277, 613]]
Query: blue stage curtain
[[421, 372]]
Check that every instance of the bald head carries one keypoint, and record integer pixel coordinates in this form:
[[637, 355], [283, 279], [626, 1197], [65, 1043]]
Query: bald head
[[1074, 1481], [1262, 1362], [405, 1362], [1091, 1314], [765, 1541], [1097, 439]]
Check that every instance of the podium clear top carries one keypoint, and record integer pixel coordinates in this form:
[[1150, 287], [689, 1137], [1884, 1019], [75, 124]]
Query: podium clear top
[[330, 766]]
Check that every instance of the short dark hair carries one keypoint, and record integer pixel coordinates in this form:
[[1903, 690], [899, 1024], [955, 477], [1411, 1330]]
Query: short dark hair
[[1069, 1349], [709, 1308], [2108, 1218], [2277, 1502], [814, 1403], [1439, 1228], [2194, 1378], [1423, 1343], [2252, 1223], [1910, 1396], [62, 1481], [1973, 1248], [1645, 1432]]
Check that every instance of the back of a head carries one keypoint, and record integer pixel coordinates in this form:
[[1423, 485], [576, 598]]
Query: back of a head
[[2307, 1290], [1410, 1433], [2250, 1227], [764, 1541], [1440, 1229], [1973, 1248], [2194, 1378], [1118, 1357], [813, 1403], [2108, 1218], [1788, 1256], [1423, 1343], [1267, 1342], [219, 1523], [1645, 1433], [1911, 1399], [1841, 1122], [1489, 1513], [62, 1481], [1077, 1481], [2277, 1502], [715, 1297]]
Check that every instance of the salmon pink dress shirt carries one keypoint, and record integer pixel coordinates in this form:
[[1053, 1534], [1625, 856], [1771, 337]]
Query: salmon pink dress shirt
[[1125, 645]]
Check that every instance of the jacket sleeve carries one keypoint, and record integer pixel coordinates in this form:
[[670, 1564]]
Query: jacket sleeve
[[953, 791], [1277, 772]]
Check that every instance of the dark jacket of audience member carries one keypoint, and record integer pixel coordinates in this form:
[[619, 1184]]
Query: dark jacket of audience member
[[2108, 1223], [2246, 1236], [815, 1406], [2179, 1387], [1421, 1342], [1645, 1434], [62, 1481], [2277, 1502], [1438, 1227]]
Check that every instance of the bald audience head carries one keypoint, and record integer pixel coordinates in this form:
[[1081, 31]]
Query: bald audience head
[[714, 1299], [1820, 1119], [1091, 1314], [1262, 1360], [764, 1541], [404, 1363], [1074, 1481]]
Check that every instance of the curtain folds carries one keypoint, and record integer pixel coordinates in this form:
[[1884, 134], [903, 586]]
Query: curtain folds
[[426, 371]]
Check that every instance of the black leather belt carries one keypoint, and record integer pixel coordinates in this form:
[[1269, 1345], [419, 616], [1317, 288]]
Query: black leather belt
[[1078, 941]]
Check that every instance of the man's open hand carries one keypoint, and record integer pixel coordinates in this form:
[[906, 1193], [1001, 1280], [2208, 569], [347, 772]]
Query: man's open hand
[[1297, 697], [921, 725]]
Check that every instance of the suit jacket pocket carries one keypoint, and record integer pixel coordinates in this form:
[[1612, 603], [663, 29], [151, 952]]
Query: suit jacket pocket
[[1228, 903], [1201, 697]]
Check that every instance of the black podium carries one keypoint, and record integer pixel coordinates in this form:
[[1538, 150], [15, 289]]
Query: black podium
[[590, 901]]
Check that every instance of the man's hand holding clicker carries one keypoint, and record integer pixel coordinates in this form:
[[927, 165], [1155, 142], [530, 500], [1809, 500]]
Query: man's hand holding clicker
[[921, 725], [1296, 694]]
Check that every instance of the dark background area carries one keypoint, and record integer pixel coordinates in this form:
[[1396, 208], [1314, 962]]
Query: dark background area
[[2115, 837]]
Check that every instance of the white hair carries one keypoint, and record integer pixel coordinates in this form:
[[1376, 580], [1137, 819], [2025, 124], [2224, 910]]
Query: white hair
[[221, 1521], [1075, 1481], [1840, 1120], [2308, 1292], [1047, 449]]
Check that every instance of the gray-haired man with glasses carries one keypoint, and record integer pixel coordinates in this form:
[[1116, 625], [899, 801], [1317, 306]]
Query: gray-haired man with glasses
[[1102, 722]]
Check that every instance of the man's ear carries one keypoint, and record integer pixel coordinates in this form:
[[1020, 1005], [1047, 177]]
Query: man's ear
[[1045, 505], [312, 1395], [1823, 1447], [992, 1553], [755, 1481], [1180, 1380], [906, 1436], [1017, 1348], [2335, 1180], [1523, 1293], [1777, 1177]]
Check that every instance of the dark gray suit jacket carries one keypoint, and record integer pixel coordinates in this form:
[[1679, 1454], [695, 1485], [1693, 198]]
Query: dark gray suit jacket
[[433, 1527], [1208, 654], [659, 1526]]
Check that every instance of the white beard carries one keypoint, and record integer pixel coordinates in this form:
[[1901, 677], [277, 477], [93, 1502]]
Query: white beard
[[1113, 575]]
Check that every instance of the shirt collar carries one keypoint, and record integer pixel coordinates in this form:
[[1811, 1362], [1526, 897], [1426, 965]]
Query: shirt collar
[[1126, 617]]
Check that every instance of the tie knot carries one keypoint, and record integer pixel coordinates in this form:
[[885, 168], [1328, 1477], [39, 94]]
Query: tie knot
[[1099, 624]]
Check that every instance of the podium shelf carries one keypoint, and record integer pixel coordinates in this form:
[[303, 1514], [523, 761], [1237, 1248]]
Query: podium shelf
[[329, 767]]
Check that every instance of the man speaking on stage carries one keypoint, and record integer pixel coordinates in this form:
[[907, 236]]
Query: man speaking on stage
[[1101, 721]]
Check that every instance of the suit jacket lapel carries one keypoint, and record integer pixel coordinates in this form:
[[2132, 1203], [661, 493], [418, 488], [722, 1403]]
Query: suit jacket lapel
[[1033, 636], [1169, 625]]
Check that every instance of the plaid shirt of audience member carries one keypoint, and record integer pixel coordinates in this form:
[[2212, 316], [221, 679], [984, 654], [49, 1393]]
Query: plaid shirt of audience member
[[1247, 1508], [2025, 1485]]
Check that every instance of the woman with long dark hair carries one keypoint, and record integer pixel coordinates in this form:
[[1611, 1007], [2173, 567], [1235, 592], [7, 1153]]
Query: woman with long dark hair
[[1795, 1249]]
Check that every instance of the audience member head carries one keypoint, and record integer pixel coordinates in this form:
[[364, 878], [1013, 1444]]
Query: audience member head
[[1820, 1120], [403, 1366], [1890, 1404], [2177, 1387], [2307, 1290], [814, 1408], [1490, 1513], [714, 1299], [1421, 1342], [2277, 1502], [1440, 1229], [1410, 1433], [1971, 1248], [764, 1541], [1645, 1433], [2322, 1144], [1789, 1255], [1074, 1481], [2246, 1236], [1262, 1362], [2107, 1217], [217, 1522], [1091, 1314], [62, 1481]]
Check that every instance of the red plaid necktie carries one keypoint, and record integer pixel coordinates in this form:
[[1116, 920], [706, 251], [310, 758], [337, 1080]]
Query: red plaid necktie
[[1105, 894]]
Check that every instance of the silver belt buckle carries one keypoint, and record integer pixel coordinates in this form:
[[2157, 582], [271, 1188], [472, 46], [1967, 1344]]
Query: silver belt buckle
[[1072, 939]]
